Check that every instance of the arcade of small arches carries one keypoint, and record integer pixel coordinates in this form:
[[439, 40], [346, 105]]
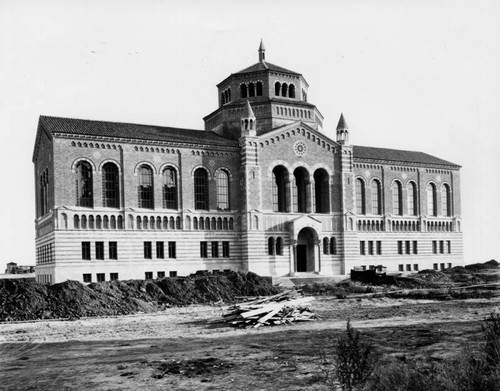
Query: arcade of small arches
[[299, 191], [284, 89], [250, 89], [225, 96], [291, 112], [116, 222], [373, 225], [412, 196], [84, 172]]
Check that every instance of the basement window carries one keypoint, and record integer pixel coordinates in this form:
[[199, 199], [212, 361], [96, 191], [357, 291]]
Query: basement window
[[101, 277], [172, 274], [113, 276], [87, 278]]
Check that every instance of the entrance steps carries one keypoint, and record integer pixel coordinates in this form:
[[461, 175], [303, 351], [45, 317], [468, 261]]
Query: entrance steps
[[306, 278]]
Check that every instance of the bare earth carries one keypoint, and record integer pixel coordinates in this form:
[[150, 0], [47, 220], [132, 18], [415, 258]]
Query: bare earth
[[179, 349]]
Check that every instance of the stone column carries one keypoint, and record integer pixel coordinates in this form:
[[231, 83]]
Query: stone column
[[293, 265], [317, 261]]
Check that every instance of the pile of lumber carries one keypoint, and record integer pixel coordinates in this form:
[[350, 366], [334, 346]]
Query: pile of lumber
[[284, 308]]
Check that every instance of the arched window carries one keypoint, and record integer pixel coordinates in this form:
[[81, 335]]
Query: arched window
[[322, 191], [169, 188], [110, 186], [277, 88], [229, 98], [291, 91], [326, 246], [195, 223], [333, 246], [222, 99], [397, 199], [120, 222], [376, 199], [98, 222], [145, 188], [84, 194], [284, 89], [243, 90], [44, 192], [270, 246], [84, 222], [411, 190], [360, 197], [259, 88], [431, 200], [445, 200], [223, 190], [76, 222], [251, 90], [300, 194], [280, 178], [279, 246], [201, 189]]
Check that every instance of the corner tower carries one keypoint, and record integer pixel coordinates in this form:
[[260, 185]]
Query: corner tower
[[278, 97]]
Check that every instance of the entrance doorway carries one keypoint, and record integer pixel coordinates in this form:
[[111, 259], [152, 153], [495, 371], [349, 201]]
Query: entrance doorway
[[305, 250]]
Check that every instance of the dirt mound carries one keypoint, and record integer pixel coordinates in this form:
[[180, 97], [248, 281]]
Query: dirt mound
[[483, 266], [27, 300]]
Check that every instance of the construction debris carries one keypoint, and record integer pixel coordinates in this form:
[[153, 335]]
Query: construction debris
[[284, 308]]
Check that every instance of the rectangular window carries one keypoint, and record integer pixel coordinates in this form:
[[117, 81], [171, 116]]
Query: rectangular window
[[407, 247], [161, 274], [215, 249], [101, 277], [160, 252], [148, 275], [86, 250], [172, 274], [415, 247], [442, 266], [441, 246], [408, 268], [435, 266], [449, 265], [225, 249], [401, 268], [203, 249], [415, 267], [379, 247], [99, 250], [171, 250], [148, 250], [400, 247], [448, 245], [87, 278], [434, 247], [370, 247], [113, 276], [113, 250], [362, 250]]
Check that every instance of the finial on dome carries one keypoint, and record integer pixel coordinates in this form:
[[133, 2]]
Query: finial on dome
[[262, 51]]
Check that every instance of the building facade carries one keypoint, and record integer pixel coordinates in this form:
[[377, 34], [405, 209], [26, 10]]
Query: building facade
[[261, 189]]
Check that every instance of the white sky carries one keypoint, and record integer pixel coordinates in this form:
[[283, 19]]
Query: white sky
[[417, 75]]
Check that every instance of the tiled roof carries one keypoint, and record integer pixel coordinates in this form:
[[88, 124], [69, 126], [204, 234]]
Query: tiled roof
[[264, 65], [397, 155], [132, 131]]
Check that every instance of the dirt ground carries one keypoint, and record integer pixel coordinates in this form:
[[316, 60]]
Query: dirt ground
[[180, 349]]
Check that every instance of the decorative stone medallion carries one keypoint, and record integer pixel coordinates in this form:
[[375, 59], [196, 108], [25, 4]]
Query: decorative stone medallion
[[211, 163], [300, 148]]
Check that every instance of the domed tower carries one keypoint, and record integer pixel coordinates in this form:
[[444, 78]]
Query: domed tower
[[278, 97]]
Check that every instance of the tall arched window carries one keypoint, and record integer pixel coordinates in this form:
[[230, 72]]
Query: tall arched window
[[277, 88], [291, 91], [251, 90], [201, 189], [280, 178], [270, 246], [259, 88], [397, 198], [44, 192], [279, 246], [170, 188], [431, 200], [412, 198], [84, 194], [145, 188], [110, 186], [445, 200], [333, 246], [223, 190], [360, 197], [376, 198], [243, 91], [300, 193], [326, 246], [322, 191], [284, 89]]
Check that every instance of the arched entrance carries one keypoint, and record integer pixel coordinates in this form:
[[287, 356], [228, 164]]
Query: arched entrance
[[305, 251]]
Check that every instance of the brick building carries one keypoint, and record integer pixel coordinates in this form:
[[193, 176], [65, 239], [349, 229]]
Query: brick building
[[261, 188]]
